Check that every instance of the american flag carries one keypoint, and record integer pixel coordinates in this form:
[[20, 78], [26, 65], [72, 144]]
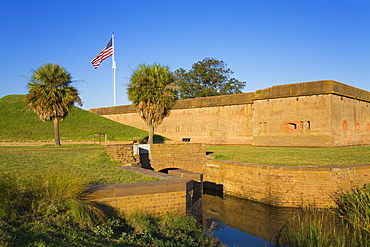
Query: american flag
[[107, 52]]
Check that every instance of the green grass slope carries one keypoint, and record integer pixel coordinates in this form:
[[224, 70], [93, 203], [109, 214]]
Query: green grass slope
[[19, 123]]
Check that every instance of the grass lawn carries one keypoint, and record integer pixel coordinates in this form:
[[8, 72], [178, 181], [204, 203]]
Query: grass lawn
[[57, 214], [88, 161], [338, 156]]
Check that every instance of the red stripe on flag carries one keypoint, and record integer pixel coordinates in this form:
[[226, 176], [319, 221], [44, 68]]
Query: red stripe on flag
[[104, 54]]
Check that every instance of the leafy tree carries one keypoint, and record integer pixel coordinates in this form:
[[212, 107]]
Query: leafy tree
[[153, 93], [208, 77], [51, 96]]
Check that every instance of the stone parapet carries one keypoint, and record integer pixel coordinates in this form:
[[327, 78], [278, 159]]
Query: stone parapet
[[280, 91], [312, 88], [220, 100], [114, 110], [187, 156]]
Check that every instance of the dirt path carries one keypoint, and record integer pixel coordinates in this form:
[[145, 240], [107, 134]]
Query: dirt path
[[42, 143]]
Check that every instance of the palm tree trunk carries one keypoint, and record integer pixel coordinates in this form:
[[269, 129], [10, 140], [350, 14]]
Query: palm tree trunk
[[151, 135], [56, 132]]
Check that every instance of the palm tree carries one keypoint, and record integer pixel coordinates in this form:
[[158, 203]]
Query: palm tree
[[152, 91], [51, 96]]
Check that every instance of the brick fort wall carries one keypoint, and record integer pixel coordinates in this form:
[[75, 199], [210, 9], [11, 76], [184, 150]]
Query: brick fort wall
[[320, 113]]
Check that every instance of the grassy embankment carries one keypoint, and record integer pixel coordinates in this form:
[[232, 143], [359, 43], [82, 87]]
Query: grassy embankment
[[20, 124]]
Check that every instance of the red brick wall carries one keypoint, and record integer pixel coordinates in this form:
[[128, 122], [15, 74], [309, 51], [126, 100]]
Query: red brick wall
[[187, 156], [122, 153], [283, 185], [156, 197]]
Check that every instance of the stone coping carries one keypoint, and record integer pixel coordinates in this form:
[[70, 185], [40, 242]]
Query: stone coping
[[197, 177], [169, 183], [151, 173], [312, 88], [220, 100]]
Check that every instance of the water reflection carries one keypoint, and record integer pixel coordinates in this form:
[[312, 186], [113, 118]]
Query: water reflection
[[240, 222], [231, 236]]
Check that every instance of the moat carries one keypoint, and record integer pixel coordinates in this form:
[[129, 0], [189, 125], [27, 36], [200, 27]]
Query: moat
[[241, 222]]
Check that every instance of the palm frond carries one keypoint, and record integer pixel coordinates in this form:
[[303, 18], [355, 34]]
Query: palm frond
[[50, 95], [153, 92]]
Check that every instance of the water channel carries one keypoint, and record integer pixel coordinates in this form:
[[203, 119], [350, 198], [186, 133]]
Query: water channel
[[240, 222]]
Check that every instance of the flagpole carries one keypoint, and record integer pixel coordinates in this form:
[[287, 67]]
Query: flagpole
[[114, 72]]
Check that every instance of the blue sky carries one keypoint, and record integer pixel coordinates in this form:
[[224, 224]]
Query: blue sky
[[265, 42]]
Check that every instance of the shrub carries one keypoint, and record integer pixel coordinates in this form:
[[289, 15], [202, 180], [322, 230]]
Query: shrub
[[141, 222], [15, 200], [354, 224], [307, 234], [354, 207], [61, 194], [178, 222], [55, 194], [168, 230]]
